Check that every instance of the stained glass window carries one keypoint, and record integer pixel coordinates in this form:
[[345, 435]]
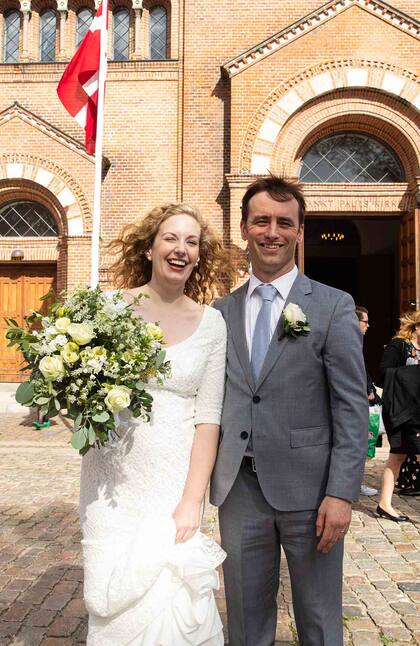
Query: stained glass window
[[351, 158], [158, 24], [121, 34], [11, 37], [26, 219], [47, 36]]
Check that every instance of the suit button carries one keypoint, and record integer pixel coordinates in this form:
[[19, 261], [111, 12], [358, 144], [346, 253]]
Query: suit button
[[244, 435], [256, 399]]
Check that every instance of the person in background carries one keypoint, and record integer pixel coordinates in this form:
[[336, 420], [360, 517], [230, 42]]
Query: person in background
[[399, 374], [373, 397]]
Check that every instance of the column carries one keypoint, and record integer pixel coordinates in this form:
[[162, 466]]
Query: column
[[62, 8], [138, 10], [25, 7], [417, 245]]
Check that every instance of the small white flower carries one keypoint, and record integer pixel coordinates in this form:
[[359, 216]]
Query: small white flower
[[58, 341]]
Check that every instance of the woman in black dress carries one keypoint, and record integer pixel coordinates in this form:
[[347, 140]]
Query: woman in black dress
[[401, 403]]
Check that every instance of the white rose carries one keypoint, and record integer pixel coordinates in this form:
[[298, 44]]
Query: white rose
[[62, 324], [293, 314], [155, 331], [82, 333], [52, 367], [118, 398], [69, 352]]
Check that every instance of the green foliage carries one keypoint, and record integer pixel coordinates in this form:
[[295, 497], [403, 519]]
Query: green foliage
[[77, 372], [25, 393]]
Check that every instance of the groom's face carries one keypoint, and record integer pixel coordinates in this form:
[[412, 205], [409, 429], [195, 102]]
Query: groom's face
[[272, 231]]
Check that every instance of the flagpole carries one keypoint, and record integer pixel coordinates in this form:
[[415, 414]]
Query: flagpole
[[96, 222]]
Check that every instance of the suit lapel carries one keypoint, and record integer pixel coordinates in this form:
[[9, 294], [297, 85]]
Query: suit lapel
[[237, 327], [298, 295]]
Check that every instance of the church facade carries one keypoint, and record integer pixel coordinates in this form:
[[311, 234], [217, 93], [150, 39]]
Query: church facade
[[202, 97]]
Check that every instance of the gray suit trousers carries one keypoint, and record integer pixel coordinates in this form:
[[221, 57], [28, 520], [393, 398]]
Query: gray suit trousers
[[252, 533]]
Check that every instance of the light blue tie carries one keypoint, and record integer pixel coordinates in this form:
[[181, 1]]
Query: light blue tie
[[262, 337]]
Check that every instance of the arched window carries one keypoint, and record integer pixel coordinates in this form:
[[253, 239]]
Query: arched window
[[11, 37], [121, 34], [351, 158], [25, 218], [158, 28], [47, 36], [84, 19]]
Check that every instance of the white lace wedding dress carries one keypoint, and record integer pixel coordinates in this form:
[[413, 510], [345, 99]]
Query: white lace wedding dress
[[140, 588]]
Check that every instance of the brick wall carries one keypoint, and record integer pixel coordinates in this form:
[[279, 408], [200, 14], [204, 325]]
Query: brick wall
[[175, 128]]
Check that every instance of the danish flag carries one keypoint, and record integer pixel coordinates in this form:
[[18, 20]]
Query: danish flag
[[78, 87]]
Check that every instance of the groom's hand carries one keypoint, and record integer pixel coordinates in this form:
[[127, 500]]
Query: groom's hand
[[334, 516]]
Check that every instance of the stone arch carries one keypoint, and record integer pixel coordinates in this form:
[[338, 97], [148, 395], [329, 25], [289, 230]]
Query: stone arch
[[50, 180], [364, 111], [319, 80]]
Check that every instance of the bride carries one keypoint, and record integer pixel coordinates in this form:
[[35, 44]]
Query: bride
[[149, 571]]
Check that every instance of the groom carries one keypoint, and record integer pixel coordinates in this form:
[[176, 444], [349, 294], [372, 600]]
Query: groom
[[293, 430]]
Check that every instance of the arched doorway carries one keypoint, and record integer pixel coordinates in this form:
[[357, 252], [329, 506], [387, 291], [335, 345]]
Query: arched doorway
[[22, 284], [358, 252]]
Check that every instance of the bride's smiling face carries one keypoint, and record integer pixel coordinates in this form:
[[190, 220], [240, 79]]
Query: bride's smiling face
[[175, 249]]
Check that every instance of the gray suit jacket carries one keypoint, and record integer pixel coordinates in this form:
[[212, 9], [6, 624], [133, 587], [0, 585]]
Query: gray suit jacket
[[308, 412]]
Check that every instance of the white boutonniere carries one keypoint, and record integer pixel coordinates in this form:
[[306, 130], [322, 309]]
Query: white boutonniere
[[295, 321]]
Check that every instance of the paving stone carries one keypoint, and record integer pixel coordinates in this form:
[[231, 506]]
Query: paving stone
[[39, 618], [409, 586], [76, 608], [29, 636], [353, 611], [17, 612], [413, 623], [56, 601], [63, 627], [8, 629], [40, 555], [404, 608], [397, 633], [364, 638]]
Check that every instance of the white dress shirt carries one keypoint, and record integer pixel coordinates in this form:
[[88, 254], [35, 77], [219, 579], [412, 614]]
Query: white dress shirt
[[253, 302]]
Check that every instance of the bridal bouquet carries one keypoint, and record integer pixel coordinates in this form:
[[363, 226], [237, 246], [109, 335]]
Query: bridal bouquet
[[90, 357]]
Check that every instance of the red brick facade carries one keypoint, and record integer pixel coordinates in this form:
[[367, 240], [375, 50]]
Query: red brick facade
[[246, 87]]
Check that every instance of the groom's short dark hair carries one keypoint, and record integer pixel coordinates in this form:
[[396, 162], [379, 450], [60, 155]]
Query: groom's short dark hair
[[279, 189]]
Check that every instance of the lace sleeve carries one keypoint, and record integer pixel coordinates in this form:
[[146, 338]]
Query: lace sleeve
[[209, 398]]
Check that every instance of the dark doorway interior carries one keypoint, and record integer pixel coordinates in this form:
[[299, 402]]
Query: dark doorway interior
[[359, 256]]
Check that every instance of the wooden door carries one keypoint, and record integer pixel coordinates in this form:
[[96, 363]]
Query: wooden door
[[21, 287], [409, 249]]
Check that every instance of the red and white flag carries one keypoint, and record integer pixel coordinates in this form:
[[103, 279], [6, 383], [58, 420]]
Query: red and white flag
[[78, 87]]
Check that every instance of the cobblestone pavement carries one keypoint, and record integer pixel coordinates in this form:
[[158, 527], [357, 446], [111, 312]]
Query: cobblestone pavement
[[40, 567]]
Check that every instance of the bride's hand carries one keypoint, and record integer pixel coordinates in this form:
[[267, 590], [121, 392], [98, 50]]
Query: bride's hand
[[187, 519]]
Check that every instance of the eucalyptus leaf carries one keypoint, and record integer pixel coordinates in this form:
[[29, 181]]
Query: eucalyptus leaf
[[78, 439], [41, 400], [91, 435], [25, 393], [160, 358], [101, 417]]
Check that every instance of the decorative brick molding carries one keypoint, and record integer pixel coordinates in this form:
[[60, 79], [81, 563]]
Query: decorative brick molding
[[316, 81], [72, 205], [37, 250], [316, 19], [16, 111], [367, 111]]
